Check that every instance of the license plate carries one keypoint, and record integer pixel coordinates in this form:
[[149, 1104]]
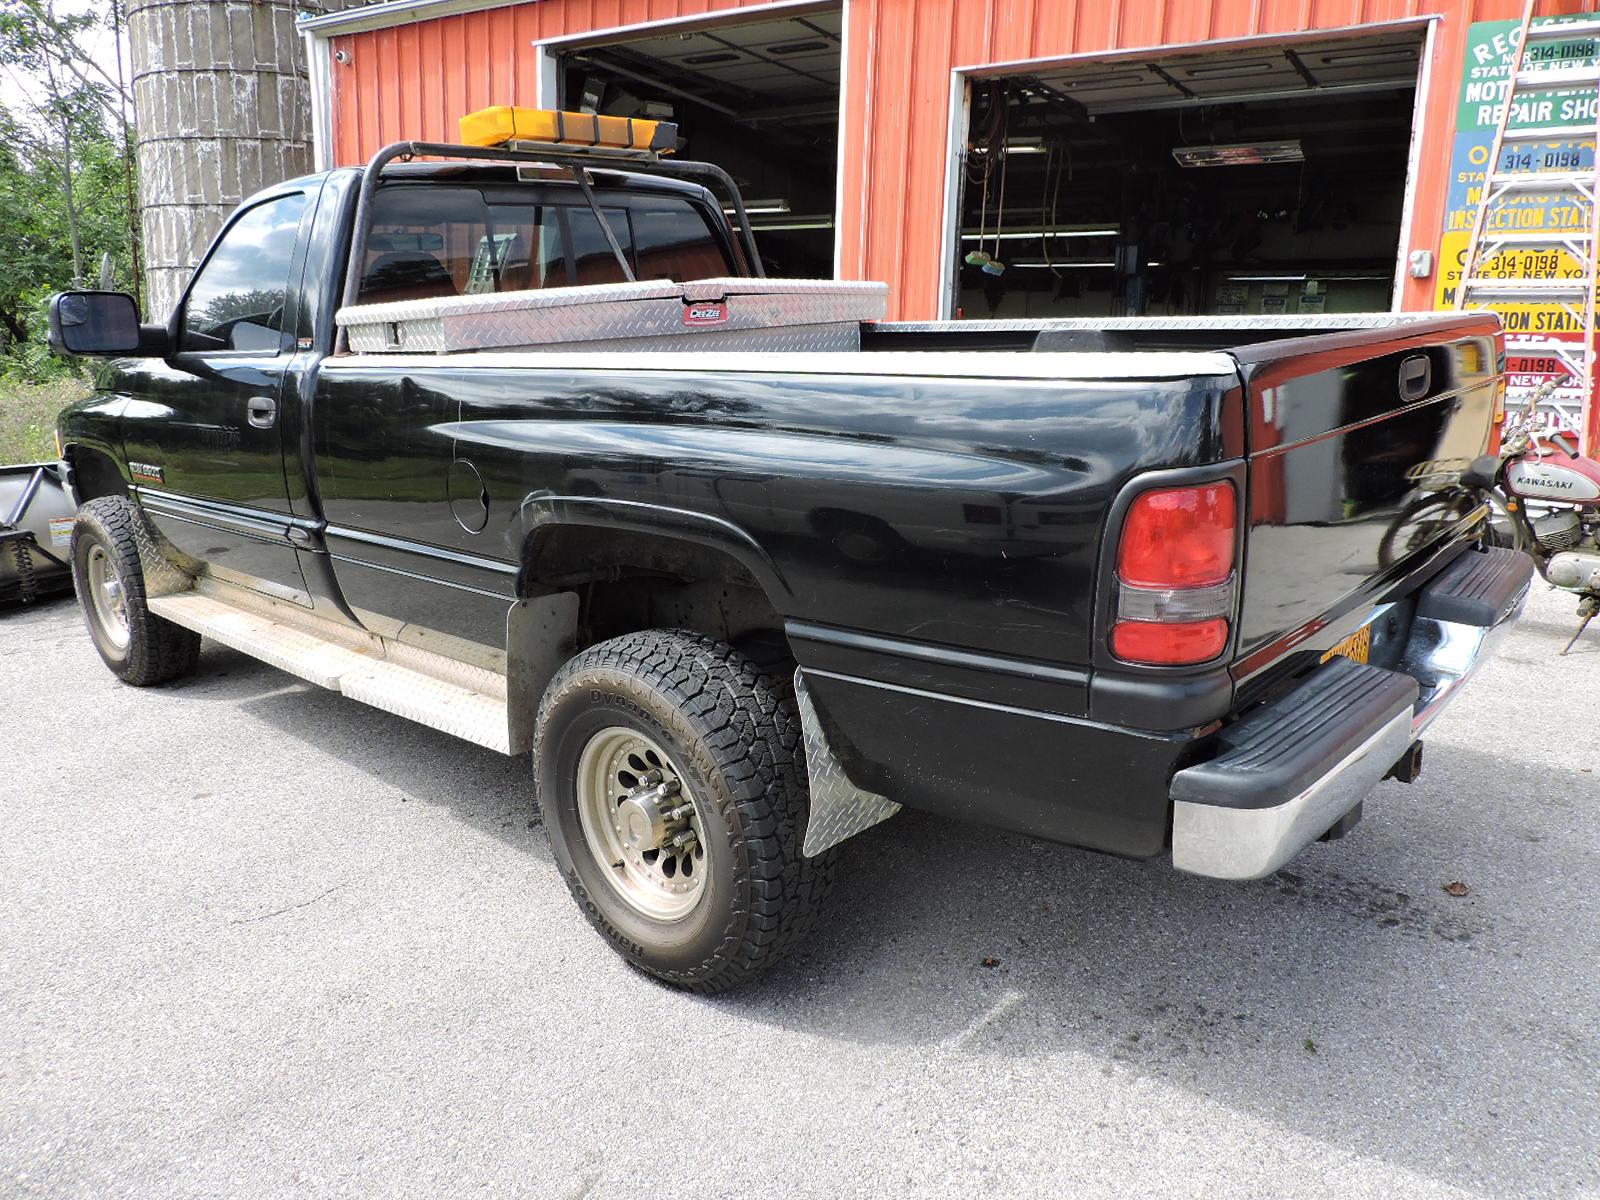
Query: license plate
[[1357, 647]]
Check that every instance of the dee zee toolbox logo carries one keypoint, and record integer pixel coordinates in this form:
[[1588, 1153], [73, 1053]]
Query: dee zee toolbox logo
[[706, 313]]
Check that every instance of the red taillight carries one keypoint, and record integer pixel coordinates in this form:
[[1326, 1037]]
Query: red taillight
[[1168, 644], [1178, 537], [1175, 578]]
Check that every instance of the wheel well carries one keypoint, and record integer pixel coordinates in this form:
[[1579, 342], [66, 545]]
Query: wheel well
[[628, 581], [94, 474]]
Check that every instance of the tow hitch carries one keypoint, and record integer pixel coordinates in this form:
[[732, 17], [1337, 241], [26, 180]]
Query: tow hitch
[[1409, 766]]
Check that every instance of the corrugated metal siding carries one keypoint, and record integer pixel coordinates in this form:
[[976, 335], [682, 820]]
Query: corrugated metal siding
[[416, 80], [904, 76]]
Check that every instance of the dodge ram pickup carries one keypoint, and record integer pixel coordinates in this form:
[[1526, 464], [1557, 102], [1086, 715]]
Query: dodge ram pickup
[[515, 439]]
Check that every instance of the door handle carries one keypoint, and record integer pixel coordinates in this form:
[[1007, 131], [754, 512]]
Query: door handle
[[263, 411]]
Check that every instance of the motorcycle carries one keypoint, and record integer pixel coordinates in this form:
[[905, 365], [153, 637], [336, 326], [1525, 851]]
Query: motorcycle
[[1543, 498]]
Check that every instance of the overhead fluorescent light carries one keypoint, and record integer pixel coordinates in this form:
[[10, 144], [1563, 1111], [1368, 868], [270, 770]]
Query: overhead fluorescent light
[[1029, 234], [1032, 265], [1024, 146], [759, 206], [1240, 154], [1321, 276], [760, 227]]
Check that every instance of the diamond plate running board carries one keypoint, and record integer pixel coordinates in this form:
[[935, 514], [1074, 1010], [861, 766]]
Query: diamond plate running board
[[354, 664], [839, 809]]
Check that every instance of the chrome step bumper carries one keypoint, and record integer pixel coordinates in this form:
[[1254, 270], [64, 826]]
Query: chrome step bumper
[[1292, 769]]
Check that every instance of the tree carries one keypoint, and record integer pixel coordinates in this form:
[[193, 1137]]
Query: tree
[[64, 177]]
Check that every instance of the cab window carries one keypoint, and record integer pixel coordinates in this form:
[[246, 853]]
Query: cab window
[[431, 240], [237, 301]]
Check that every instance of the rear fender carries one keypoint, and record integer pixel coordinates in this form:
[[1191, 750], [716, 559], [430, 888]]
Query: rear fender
[[540, 512]]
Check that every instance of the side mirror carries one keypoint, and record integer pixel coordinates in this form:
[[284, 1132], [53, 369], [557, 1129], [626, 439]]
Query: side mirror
[[96, 323]]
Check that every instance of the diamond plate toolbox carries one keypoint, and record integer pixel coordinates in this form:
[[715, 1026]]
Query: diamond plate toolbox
[[648, 315]]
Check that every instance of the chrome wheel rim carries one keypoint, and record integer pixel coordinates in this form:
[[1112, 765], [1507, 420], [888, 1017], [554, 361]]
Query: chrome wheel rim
[[641, 823], [106, 594]]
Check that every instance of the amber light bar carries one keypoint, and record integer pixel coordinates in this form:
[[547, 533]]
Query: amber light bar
[[504, 123]]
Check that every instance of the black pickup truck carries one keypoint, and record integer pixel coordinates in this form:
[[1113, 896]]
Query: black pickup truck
[[532, 454]]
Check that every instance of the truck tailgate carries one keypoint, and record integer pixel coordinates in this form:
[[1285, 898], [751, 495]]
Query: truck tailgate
[[1348, 435]]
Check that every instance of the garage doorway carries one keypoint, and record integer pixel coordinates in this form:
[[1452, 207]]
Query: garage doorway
[[1262, 179], [757, 96]]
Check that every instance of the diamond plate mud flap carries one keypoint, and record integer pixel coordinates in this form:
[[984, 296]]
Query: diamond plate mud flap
[[839, 809]]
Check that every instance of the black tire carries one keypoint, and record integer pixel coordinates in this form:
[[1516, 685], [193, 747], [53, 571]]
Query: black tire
[[154, 650], [732, 730]]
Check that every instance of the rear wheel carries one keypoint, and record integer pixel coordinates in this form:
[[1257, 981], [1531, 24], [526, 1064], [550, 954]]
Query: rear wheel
[[139, 647], [672, 784]]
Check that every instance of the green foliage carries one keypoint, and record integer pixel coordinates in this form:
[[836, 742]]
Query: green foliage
[[28, 414], [63, 194]]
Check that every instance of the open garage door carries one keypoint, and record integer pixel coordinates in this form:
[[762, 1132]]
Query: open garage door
[[760, 98], [1270, 179]]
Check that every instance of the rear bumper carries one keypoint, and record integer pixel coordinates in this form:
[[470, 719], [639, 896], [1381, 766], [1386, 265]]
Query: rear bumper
[[1289, 771]]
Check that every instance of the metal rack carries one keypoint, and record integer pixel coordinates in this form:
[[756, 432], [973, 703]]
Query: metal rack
[[576, 159], [1488, 242]]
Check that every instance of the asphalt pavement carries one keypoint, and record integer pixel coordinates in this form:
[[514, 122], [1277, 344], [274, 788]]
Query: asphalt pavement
[[259, 940]]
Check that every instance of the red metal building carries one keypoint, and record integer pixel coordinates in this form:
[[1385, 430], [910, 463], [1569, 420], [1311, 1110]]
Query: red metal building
[[909, 73]]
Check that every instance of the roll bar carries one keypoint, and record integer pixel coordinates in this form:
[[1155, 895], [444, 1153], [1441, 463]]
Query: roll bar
[[575, 158]]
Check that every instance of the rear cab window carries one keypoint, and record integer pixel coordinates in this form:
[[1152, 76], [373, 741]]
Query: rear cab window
[[430, 240]]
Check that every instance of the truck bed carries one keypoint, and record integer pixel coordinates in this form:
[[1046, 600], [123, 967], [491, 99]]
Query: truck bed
[[1111, 334], [793, 315]]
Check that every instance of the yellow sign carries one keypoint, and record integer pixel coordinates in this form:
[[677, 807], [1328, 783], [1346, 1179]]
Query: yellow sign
[[1512, 263]]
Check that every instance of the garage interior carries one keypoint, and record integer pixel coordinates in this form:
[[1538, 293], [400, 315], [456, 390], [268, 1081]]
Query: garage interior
[[1259, 181], [759, 98]]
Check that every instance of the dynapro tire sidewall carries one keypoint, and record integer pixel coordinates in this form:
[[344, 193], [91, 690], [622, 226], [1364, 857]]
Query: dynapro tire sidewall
[[88, 533], [579, 707], [156, 651]]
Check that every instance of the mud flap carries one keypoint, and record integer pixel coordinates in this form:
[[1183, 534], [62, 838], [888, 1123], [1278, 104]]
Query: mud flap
[[159, 561], [839, 809]]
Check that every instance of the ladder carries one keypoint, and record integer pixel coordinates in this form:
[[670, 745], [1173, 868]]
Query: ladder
[[1501, 266]]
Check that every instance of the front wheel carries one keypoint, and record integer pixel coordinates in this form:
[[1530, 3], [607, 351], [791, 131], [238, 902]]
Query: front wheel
[[672, 783], [139, 647]]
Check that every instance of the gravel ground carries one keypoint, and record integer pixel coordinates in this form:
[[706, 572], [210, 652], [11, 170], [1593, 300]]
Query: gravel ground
[[259, 940]]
